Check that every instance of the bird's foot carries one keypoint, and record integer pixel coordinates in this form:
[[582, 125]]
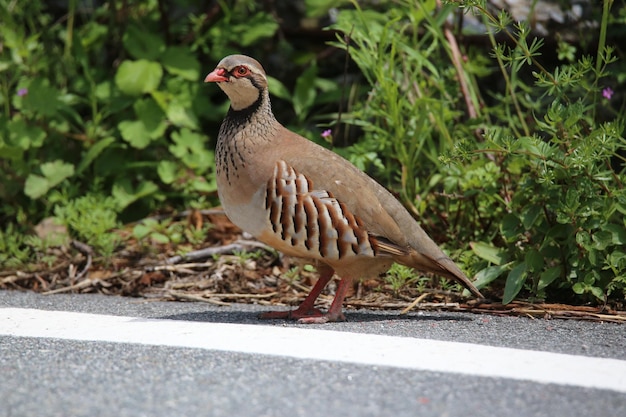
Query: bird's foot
[[324, 318], [297, 314]]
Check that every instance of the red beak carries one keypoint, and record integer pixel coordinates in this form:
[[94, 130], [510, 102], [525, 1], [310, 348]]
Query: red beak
[[217, 76]]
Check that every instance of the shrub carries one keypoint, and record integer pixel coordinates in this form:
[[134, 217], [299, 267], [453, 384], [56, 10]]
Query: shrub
[[534, 181]]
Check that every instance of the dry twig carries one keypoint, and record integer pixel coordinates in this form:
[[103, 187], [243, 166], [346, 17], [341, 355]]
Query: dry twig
[[238, 246], [193, 297], [87, 251]]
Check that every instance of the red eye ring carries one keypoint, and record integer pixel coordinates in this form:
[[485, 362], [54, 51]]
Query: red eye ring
[[241, 71]]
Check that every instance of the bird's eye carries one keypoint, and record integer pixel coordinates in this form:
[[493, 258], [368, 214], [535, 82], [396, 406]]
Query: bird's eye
[[241, 71]]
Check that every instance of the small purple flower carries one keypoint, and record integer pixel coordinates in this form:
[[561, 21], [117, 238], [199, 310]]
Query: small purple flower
[[327, 133], [22, 92], [607, 93]]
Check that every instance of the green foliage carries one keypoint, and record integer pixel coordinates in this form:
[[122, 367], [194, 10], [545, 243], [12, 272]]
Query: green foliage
[[104, 119], [400, 276], [408, 115], [560, 223], [109, 96], [14, 250], [129, 117], [92, 219], [151, 231], [532, 174]]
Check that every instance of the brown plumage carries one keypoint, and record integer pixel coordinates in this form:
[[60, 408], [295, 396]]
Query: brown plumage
[[307, 201]]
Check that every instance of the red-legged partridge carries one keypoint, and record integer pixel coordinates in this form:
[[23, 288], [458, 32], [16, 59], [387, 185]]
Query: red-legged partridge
[[308, 202]]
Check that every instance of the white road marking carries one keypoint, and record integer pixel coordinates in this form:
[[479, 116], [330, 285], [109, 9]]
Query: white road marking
[[310, 343]]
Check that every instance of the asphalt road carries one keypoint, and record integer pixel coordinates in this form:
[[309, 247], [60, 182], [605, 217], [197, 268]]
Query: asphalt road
[[65, 376]]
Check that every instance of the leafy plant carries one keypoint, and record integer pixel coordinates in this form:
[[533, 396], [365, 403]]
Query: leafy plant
[[400, 276], [406, 117], [168, 231], [14, 250], [532, 176], [92, 219], [109, 96]]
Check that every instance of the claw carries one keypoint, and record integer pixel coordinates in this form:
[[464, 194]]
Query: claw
[[324, 318]]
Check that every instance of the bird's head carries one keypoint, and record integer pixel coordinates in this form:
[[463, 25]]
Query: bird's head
[[242, 79]]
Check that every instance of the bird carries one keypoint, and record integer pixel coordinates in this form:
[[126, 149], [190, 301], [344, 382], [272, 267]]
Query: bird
[[308, 202]]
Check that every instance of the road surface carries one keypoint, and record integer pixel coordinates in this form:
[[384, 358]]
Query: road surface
[[92, 355]]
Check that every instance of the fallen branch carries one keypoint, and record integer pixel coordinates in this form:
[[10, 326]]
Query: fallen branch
[[19, 275], [86, 283], [238, 295], [356, 303], [238, 246], [192, 297], [180, 267], [414, 303], [87, 251]]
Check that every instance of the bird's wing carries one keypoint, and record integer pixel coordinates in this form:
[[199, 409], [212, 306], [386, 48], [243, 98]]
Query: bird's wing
[[312, 221]]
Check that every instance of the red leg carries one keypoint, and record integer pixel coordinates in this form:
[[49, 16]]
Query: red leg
[[334, 312], [307, 307]]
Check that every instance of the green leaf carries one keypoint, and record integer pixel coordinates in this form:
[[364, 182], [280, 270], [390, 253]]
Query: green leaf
[[318, 8], [24, 135], [151, 116], [489, 274], [57, 171], [93, 34], [124, 193], [535, 146], [135, 133], [602, 240], [142, 44], [187, 139], [103, 90], [578, 288], [137, 77], [140, 231], [304, 93], [534, 260], [181, 115], [42, 98], [53, 174], [190, 147], [510, 226], [278, 89], [618, 233], [179, 61], [158, 237], [261, 25], [548, 276], [203, 186], [488, 252], [530, 215], [167, 171], [597, 292], [93, 153], [514, 283], [617, 259], [36, 186]]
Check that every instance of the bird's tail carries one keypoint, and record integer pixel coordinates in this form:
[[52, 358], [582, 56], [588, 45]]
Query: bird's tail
[[441, 266]]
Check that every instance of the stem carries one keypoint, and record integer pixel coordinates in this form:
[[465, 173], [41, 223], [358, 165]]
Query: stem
[[527, 54], [602, 41], [601, 44], [509, 85], [70, 28], [7, 100]]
